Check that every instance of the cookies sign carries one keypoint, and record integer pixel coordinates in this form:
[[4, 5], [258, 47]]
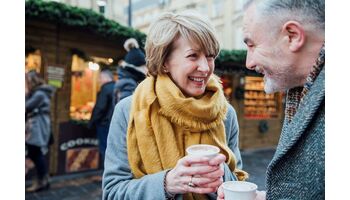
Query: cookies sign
[[77, 148]]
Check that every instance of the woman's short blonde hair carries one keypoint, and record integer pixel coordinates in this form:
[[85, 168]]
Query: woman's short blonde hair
[[167, 28]]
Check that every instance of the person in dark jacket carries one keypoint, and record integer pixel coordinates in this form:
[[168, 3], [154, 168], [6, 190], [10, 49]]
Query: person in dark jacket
[[131, 72], [38, 127], [285, 42], [103, 109]]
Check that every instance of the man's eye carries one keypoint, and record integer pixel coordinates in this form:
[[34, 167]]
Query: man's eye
[[192, 55]]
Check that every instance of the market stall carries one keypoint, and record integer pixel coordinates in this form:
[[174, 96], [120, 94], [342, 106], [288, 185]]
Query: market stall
[[69, 46]]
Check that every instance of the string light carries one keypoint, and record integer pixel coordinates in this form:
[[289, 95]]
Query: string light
[[94, 66]]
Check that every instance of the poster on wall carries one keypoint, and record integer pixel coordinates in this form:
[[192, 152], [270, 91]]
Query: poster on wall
[[77, 148], [55, 76]]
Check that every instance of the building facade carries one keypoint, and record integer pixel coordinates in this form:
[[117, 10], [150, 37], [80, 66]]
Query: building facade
[[111, 9], [226, 15]]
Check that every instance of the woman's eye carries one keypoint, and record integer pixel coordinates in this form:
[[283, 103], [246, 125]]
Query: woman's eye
[[192, 55], [210, 57]]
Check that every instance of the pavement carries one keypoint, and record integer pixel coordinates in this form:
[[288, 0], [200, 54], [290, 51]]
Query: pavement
[[85, 186], [255, 162]]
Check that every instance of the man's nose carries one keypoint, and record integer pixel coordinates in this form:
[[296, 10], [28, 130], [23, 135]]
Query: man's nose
[[250, 64]]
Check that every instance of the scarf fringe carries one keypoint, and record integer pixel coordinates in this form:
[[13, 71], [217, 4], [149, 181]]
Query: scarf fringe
[[195, 123]]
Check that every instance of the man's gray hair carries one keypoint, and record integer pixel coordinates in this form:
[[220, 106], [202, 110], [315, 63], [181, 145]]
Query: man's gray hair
[[307, 12]]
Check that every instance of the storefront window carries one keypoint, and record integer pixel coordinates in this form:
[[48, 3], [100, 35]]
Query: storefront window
[[258, 104], [85, 86], [84, 89], [33, 61]]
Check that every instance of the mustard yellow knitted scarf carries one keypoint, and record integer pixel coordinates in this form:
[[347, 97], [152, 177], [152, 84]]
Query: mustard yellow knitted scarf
[[163, 123]]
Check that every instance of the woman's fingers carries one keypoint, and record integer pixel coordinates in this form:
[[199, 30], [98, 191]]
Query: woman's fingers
[[200, 190], [199, 170], [196, 174], [200, 181], [217, 160], [213, 184], [214, 174], [209, 177], [192, 160]]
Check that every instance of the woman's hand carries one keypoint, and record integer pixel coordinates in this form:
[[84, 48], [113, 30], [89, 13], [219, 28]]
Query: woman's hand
[[203, 173]]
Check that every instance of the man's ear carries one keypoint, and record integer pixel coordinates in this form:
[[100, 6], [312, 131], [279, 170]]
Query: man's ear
[[295, 34]]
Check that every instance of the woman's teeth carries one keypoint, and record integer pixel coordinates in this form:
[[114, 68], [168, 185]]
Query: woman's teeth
[[196, 79]]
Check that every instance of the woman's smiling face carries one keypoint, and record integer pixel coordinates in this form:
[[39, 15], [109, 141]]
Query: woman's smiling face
[[189, 67]]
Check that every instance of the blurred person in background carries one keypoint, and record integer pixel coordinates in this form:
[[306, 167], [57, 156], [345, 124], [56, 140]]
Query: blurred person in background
[[285, 41], [179, 104], [103, 109], [38, 127], [131, 71]]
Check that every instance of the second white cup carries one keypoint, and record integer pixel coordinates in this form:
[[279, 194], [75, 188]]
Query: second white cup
[[239, 190]]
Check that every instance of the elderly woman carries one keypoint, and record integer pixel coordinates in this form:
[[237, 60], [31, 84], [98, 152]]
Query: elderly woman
[[180, 104]]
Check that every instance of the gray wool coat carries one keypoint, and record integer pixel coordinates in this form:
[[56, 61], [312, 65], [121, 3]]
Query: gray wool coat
[[297, 170], [38, 111]]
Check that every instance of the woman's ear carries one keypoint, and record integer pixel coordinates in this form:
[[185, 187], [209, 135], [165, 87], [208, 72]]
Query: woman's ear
[[295, 34], [165, 69]]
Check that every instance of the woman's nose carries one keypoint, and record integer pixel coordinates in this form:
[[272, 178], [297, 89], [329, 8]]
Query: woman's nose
[[203, 64]]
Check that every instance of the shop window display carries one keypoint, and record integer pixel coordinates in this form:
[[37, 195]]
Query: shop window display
[[85, 86], [33, 61], [258, 104]]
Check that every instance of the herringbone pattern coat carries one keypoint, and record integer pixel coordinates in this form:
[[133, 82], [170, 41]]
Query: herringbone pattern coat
[[297, 170]]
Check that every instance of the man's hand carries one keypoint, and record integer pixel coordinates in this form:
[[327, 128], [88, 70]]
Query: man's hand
[[260, 195], [221, 193]]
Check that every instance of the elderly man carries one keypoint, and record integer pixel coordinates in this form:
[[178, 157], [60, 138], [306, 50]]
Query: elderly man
[[285, 41], [103, 110]]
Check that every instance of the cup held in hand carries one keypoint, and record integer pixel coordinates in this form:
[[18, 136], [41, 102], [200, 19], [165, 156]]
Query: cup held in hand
[[203, 150], [241, 190]]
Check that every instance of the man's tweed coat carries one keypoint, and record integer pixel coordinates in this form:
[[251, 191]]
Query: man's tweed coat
[[297, 170]]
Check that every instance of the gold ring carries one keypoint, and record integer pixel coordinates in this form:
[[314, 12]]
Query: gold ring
[[190, 183]]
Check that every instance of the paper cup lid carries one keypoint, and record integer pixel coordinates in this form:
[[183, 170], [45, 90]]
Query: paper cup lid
[[239, 186], [202, 149]]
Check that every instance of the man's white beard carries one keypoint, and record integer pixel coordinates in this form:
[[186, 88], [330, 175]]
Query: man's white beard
[[270, 86]]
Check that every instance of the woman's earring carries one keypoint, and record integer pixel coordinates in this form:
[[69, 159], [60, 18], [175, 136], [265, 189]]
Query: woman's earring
[[165, 70]]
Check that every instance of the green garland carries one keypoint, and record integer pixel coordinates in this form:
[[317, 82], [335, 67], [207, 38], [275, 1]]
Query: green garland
[[73, 16], [231, 61], [231, 56], [80, 17]]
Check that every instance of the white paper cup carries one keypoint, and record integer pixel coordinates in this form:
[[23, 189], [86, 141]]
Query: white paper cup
[[203, 150], [239, 190]]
